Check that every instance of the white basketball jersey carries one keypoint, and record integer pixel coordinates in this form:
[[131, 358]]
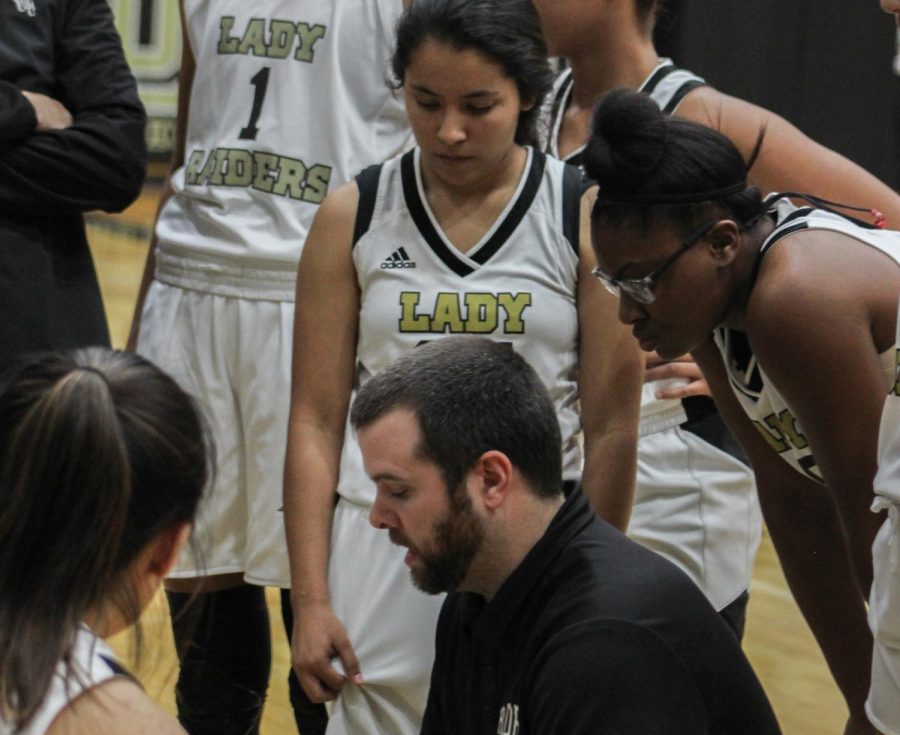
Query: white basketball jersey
[[666, 85], [517, 285], [757, 395], [887, 480], [289, 101], [90, 662]]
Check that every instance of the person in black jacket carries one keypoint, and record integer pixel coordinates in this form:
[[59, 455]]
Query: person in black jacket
[[71, 140], [556, 622]]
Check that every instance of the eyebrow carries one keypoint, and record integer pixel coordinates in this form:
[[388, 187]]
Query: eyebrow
[[386, 476], [470, 95]]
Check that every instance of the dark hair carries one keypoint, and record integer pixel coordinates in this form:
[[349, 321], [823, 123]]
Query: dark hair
[[471, 395], [100, 451], [507, 31], [651, 166]]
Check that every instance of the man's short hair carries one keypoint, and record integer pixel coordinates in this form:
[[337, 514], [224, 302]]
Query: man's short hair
[[471, 395]]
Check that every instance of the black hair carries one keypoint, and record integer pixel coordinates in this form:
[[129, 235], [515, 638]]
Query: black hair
[[506, 31], [100, 452], [651, 166], [471, 395]]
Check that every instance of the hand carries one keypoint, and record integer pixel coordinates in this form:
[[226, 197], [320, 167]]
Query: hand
[[51, 114], [890, 6], [684, 368], [318, 637], [857, 727]]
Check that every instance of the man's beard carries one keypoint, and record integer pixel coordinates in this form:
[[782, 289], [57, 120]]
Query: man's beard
[[456, 539]]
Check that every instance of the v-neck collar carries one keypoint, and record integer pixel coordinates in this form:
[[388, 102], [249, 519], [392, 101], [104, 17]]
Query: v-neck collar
[[509, 219]]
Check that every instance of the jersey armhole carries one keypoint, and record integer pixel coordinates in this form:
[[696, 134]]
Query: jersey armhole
[[367, 181], [682, 92], [574, 186]]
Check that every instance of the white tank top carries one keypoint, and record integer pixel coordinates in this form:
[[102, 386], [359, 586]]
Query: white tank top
[[887, 479], [289, 101], [92, 662], [666, 85], [757, 395], [518, 285]]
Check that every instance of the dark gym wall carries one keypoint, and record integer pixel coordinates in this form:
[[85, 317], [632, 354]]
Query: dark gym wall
[[825, 65]]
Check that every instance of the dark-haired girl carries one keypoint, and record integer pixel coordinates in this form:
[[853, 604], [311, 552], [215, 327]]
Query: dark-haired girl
[[694, 500], [102, 463], [471, 232], [791, 312]]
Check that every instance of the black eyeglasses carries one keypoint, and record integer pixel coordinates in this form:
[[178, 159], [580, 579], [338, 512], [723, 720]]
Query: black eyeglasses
[[641, 289]]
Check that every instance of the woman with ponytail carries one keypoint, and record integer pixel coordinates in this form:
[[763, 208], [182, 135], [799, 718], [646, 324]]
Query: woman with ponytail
[[103, 460], [791, 313]]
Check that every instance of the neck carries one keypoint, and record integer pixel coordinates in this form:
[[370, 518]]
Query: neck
[[624, 59], [745, 270], [509, 541]]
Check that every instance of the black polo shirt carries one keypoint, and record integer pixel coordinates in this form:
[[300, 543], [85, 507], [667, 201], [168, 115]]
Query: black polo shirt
[[592, 633]]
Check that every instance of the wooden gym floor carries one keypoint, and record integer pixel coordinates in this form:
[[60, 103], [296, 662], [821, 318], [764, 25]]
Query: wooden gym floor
[[778, 642]]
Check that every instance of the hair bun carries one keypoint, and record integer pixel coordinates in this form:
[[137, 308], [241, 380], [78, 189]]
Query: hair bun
[[628, 139]]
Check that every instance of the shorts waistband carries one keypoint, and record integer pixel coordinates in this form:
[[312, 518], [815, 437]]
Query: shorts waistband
[[661, 420], [226, 279]]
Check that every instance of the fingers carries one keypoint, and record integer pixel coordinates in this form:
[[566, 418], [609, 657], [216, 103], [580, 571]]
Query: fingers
[[348, 659], [684, 390], [317, 640], [50, 113], [670, 370]]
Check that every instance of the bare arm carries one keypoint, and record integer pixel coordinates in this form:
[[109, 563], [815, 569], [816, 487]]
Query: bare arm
[[98, 161], [610, 377], [116, 707], [807, 535], [185, 87], [789, 160], [325, 329]]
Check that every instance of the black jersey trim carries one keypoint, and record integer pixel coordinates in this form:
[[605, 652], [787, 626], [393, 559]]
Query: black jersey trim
[[650, 85], [116, 667], [780, 233], [682, 92], [430, 234], [518, 211], [367, 181], [423, 221], [573, 187]]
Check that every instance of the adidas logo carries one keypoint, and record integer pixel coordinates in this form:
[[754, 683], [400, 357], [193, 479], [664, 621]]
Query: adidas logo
[[398, 259]]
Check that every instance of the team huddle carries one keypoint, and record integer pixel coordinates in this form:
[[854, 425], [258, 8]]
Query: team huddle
[[494, 370]]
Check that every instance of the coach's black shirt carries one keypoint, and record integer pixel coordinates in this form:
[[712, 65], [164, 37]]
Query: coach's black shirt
[[591, 634]]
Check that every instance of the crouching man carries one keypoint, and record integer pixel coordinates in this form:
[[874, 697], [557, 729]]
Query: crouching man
[[556, 623]]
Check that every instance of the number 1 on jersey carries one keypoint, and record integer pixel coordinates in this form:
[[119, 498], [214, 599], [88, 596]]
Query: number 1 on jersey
[[260, 82]]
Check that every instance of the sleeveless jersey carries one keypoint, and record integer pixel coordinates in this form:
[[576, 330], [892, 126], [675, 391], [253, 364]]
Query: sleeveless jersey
[[759, 398], [517, 285], [887, 480], [666, 85], [253, 177], [91, 662]]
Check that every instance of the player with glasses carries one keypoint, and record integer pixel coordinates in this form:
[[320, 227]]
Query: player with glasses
[[783, 307], [641, 289]]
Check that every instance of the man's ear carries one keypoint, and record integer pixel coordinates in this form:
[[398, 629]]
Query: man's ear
[[491, 478]]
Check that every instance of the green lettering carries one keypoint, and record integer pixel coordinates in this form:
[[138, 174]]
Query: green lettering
[[281, 38], [240, 168], [410, 321], [309, 36], [447, 314], [291, 174], [317, 179], [192, 169], [254, 38], [227, 43], [266, 165], [514, 305], [481, 313]]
